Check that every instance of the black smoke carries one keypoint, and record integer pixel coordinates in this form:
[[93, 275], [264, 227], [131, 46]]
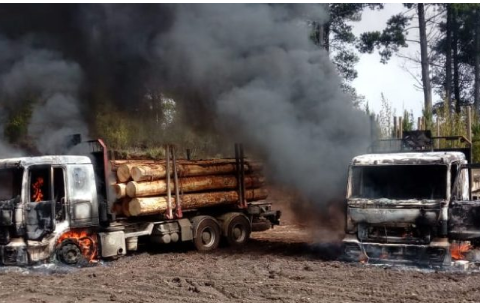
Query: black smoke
[[247, 70]]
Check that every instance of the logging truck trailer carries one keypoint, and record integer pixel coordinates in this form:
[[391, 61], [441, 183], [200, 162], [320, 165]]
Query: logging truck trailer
[[59, 208], [410, 201]]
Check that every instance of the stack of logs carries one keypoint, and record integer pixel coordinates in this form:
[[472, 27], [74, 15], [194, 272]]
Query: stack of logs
[[141, 185]]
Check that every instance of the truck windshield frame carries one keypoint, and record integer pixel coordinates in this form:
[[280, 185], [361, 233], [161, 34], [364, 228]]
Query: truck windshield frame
[[10, 183], [399, 182]]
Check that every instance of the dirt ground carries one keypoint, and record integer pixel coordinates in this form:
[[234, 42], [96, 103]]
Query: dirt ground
[[280, 265]]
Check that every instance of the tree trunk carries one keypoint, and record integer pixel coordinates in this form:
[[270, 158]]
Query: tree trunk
[[326, 37], [456, 79], [427, 89], [158, 205], [190, 184], [448, 60], [477, 62], [319, 34]]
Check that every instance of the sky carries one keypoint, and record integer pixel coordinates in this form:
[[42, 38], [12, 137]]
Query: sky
[[374, 78]]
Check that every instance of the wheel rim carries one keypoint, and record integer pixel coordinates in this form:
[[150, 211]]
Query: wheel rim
[[208, 236], [238, 233], [70, 254]]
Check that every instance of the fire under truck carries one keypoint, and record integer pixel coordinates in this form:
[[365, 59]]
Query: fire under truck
[[71, 221], [411, 201]]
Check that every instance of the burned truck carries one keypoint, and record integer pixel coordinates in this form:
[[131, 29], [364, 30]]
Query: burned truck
[[59, 208], [410, 201]]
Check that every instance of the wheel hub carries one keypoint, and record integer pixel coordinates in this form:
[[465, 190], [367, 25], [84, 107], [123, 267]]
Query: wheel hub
[[208, 237]]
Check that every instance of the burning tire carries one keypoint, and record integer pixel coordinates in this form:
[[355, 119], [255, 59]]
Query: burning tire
[[236, 229], [206, 233], [70, 254]]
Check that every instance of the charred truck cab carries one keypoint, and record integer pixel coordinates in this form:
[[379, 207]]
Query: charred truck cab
[[41, 198], [58, 207], [411, 205]]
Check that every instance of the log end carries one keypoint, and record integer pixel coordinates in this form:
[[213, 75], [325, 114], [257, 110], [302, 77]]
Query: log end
[[131, 189], [120, 190], [123, 173]]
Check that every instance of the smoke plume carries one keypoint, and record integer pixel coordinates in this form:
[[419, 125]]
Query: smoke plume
[[268, 85], [248, 70]]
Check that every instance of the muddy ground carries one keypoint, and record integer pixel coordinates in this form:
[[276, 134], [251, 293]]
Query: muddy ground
[[281, 265]]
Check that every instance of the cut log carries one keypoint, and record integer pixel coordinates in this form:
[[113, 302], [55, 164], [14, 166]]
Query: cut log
[[158, 205], [117, 208], [120, 190], [126, 207], [186, 170], [158, 171], [123, 172], [148, 173], [254, 166], [120, 162], [190, 184]]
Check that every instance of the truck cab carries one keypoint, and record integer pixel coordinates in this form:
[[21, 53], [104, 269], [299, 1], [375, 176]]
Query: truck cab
[[409, 206], [41, 198]]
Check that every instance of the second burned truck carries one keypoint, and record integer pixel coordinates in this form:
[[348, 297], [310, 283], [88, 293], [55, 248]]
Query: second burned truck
[[409, 201]]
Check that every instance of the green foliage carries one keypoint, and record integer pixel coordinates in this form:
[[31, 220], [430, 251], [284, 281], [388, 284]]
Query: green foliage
[[476, 140], [465, 16], [339, 40], [407, 121], [367, 109], [450, 124], [428, 116], [143, 133], [388, 41], [384, 119], [16, 127]]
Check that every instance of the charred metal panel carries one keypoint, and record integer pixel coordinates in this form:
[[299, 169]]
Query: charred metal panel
[[27, 161], [392, 203], [388, 216], [464, 220], [15, 253], [82, 196], [428, 158], [6, 212], [40, 219], [436, 253], [113, 244]]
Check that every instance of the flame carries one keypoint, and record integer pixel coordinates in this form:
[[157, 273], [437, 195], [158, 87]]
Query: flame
[[37, 190], [87, 242], [363, 258], [457, 250]]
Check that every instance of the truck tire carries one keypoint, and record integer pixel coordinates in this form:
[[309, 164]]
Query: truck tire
[[70, 254], [236, 229], [206, 233]]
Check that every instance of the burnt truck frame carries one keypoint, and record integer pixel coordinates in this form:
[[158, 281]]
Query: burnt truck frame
[[73, 222], [409, 202]]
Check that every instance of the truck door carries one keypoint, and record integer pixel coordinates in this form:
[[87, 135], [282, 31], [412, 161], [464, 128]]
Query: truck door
[[40, 204], [464, 214], [82, 196]]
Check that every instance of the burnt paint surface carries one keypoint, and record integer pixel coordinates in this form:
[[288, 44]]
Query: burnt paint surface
[[40, 219], [427, 158], [464, 220]]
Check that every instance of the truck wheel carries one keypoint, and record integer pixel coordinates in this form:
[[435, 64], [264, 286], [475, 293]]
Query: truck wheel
[[236, 229], [206, 233], [70, 254]]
